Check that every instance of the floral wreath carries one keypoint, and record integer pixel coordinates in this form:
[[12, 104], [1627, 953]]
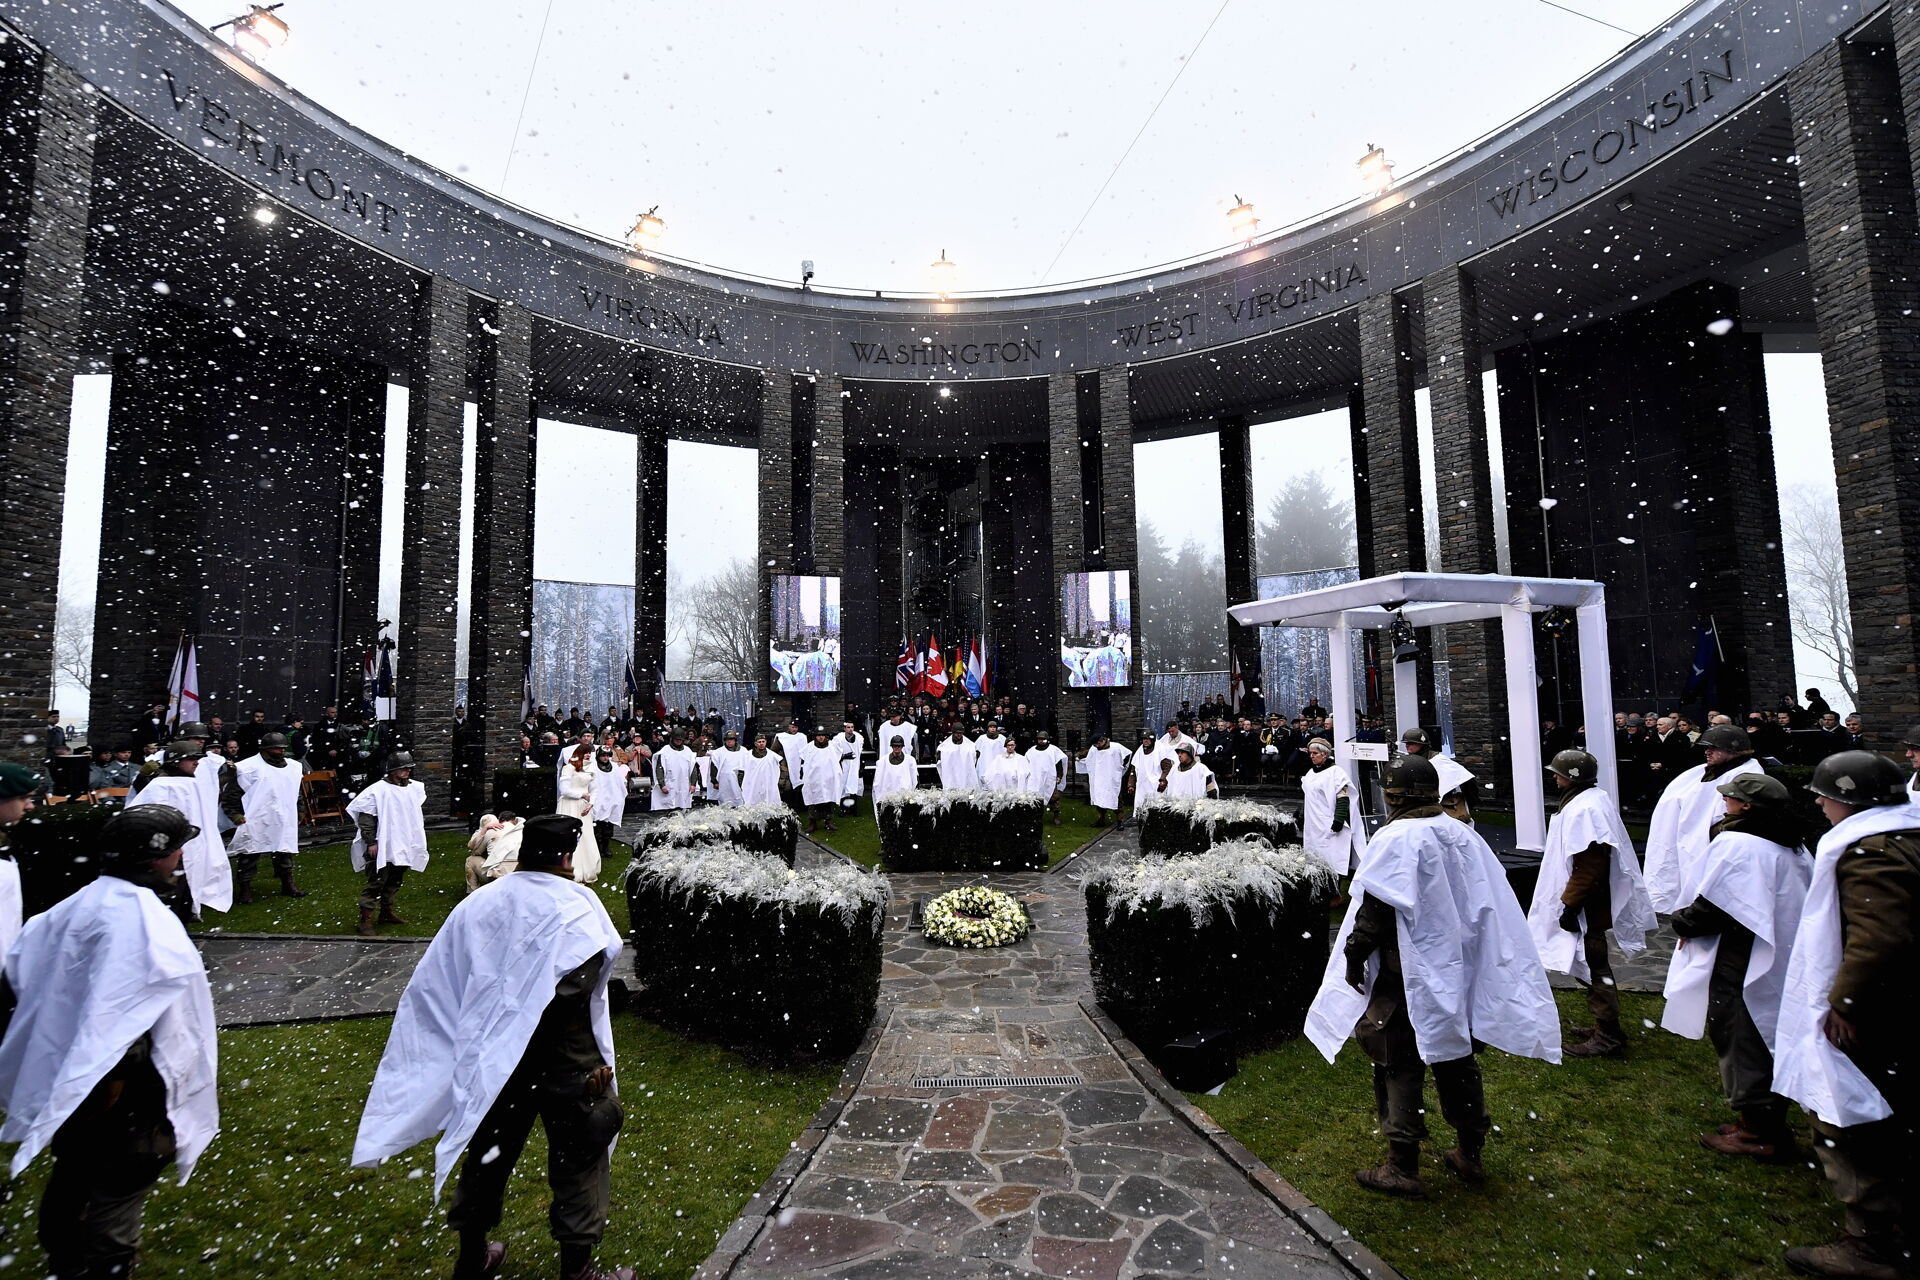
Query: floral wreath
[[976, 916]]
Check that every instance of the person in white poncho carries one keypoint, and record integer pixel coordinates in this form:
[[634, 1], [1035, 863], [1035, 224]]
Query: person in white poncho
[[1736, 937], [759, 774], [1188, 779], [1683, 818], [1006, 771], [110, 1058], [1844, 1047], [610, 770], [1328, 823], [673, 774], [576, 801], [1456, 780], [1105, 764], [851, 744], [894, 771], [1589, 883], [820, 781], [18, 786], [209, 877], [270, 787], [1143, 771], [390, 839], [1046, 771], [506, 1021], [959, 761], [1432, 960], [728, 763]]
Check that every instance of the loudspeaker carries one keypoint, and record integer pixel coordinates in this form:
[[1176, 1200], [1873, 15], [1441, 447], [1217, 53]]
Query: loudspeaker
[[69, 774], [1198, 1062]]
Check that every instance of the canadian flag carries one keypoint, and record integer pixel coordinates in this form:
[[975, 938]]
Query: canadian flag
[[935, 681]]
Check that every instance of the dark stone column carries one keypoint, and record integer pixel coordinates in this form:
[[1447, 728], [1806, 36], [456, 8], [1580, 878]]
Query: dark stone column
[[649, 561], [500, 619], [46, 181], [436, 398], [1067, 503], [776, 523], [1395, 538], [1463, 483], [1237, 518], [1117, 521], [362, 484], [1863, 251], [829, 488]]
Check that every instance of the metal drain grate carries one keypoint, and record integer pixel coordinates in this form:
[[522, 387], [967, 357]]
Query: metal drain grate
[[989, 1082]]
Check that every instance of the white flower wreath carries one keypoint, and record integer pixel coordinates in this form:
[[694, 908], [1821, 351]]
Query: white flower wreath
[[976, 916]]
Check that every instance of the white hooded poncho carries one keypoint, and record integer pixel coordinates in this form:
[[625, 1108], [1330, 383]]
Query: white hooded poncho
[[1342, 849], [850, 749], [1806, 1066], [959, 765], [1146, 774], [400, 830], [760, 782], [92, 975], [727, 764], [1590, 817], [820, 774], [1763, 886], [673, 778], [1678, 833], [1004, 772], [1186, 784], [203, 858], [889, 777], [271, 800], [1104, 767], [470, 1009], [1470, 967], [1043, 769]]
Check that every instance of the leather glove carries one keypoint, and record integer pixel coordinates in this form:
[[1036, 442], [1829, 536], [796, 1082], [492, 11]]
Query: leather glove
[[1339, 824], [1357, 972], [1570, 919]]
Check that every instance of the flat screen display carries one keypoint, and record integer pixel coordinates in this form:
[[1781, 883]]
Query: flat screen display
[[804, 649], [1096, 640]]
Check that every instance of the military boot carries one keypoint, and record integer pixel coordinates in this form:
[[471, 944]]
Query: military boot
[[1464, 1160], [365, 928], [576, 1263], [1607, 1041], [480, 1259], [246, 867], [389, 916], [1854, 1257], [283, 867], [1399, 1175]]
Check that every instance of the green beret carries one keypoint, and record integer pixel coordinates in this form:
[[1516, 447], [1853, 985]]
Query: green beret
[[18, 780], [1755, 788]]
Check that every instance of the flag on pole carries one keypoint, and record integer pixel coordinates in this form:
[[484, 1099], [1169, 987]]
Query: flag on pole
[[183, 684], [526, 691], [369, 679], [660, 693], [977, 669], [957, 670], [1703, 680], [1236, 686], [903, 668], [383, 684], [936, 678], [632, 686]]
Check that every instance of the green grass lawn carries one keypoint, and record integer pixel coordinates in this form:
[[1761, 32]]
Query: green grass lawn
[[332, 904], [1595, 1170], [274, 1195], [858, 837]]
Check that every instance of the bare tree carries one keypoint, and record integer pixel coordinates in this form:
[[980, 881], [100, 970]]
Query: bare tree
[[725, 625], [73, 645], [1817, 603]]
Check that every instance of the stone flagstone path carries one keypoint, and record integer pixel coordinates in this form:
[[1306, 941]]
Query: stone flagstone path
[[1110, 1178]]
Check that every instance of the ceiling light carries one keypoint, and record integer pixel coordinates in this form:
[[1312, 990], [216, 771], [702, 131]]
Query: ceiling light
[[1241, 219], [944, 271], [258, 32], [265, 215], [646, 229]]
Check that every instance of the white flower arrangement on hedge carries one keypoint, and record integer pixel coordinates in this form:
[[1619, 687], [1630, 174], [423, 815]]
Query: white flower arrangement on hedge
[[1232, 872], [720, 820], [936, 804], [727, 871], [1210, 813], [976, 916]]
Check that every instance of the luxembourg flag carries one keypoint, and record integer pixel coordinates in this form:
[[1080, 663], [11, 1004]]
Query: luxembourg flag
[[976, 669], [935, 682]]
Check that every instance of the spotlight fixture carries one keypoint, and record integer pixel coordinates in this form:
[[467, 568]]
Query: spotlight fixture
[[1376, 171], [806, 271], [646, 229], [1554, 622], [1624, 202], [1406, 646], [1241, 219], [257, 32], [944, 270], [266, 215]]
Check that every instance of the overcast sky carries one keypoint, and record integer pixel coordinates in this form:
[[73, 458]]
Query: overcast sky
[[869, 138]]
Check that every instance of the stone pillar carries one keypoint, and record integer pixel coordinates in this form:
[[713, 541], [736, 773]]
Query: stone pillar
[[1067, 502], [1121, 546], [1396, 538], [1863, 253], [1238, 530], [500, 617], [46, 182], [776, 524], [649, 562], [829, 488], [362, 484], [429, 566], [1463, 484]]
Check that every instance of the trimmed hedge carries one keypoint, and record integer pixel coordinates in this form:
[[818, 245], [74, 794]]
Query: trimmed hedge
[[57, 848], [731, 946], [528, 792], [1176, 828], [761, 828], [968, 830], [1236, 937]]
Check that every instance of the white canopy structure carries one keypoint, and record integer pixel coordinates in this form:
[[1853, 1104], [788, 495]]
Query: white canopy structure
[[1439, 599]]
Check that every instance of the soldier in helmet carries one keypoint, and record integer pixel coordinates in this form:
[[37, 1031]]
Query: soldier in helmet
[[1910, 744], [1684, 817], [1589, 883], [109, 1058], [208, 877], [1456, 783], [270, 787], [1433, 959], [1846, 1049], [390, 838], [18, 787]]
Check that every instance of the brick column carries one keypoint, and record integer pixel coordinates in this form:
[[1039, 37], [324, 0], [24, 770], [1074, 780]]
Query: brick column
[[1117, 521], [1237, 519], [776, 524], [500, 617], [47, 158], [829, 479], [436, 396], [1863, 252], [1396, 540], [1067, 503], [1463, 484], [649, 560], [362, 483]]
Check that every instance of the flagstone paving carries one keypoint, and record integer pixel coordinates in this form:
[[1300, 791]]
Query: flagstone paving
[[260, 980], [1102, 1178]]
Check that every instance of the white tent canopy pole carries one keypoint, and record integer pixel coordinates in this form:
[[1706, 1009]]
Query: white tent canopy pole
[[1436, 599]]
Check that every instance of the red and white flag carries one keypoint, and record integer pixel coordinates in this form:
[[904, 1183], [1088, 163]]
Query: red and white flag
[[183, 684], [935, 682]]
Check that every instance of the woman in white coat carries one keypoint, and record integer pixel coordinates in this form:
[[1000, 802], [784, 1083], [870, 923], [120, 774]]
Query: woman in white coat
[[576, 801], [1329, 820]]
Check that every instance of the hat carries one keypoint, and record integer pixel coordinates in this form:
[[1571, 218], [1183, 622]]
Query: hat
[[1185, 748], [399, 760], [181, 749], [1755, 788], [1912, 738], [145, 832], [18, 780], [268, 741], [1724, 737], [547, 839], [193, 729], [1320, 744], [1416, 734]]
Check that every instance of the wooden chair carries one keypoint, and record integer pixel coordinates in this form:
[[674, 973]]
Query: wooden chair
[[320, 796]]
